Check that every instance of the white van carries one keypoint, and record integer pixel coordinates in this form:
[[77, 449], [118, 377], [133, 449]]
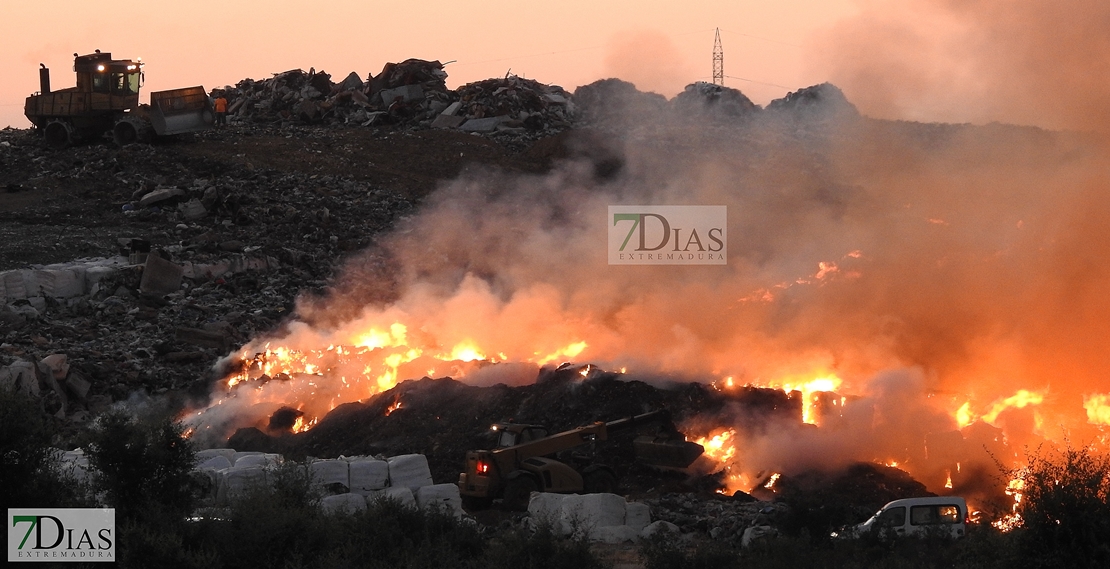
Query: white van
[[918, 517]]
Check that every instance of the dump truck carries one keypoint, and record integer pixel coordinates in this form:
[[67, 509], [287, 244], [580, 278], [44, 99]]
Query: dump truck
[[527, 459], [106, 99]]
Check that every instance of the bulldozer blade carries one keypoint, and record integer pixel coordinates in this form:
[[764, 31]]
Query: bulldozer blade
[[180, 110], [666, 452]]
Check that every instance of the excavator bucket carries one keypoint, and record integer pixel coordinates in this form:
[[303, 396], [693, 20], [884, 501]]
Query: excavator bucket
[[666, 452], [180, 110]]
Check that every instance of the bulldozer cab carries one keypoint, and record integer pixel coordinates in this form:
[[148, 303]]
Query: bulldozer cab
[[120, 79], [511, 434]]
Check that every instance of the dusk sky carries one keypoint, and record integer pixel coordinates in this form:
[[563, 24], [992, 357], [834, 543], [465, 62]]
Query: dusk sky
[[931, 60]]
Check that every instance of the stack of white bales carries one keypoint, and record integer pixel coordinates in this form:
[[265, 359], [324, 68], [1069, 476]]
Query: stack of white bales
[[348, 482], [598, 517]]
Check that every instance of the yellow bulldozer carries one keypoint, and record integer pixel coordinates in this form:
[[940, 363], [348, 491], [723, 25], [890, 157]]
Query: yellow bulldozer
[[528, 459], [106, 99]]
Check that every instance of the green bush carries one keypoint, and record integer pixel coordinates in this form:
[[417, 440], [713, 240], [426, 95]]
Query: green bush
[[30, 473], [1065, 509], [141, 467]]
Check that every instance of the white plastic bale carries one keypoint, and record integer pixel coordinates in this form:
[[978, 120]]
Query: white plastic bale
[[241, 453], [658, 527], [326, 473], [258, 459], [228, 453], [545, 507], [215, 463], [342, 503], [615, 534], [637, 515], [237, 480], [410, 471], [440, 496], [604, 510], [400, 494], [368, 474]]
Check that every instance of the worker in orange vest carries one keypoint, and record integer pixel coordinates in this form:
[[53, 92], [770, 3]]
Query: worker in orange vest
[[220, 105]]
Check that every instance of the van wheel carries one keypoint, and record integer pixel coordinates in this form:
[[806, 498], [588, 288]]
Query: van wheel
[[518, 492], [599, 481]]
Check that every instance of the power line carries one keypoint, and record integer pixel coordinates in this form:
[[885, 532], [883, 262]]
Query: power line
[[760, 82]]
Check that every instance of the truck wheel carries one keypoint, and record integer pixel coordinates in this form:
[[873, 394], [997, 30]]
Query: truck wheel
[[518, 492], [58, 135], [599, 481]]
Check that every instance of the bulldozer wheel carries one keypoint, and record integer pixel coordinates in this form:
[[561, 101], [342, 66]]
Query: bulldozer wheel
[[124, 133], [599, 481], [57, 135], [518, 492]]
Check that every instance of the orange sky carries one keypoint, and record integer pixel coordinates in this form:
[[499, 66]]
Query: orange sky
[[659, 45]]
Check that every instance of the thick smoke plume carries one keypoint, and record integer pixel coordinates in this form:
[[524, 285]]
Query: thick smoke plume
[[947, 275], [1035, 62]]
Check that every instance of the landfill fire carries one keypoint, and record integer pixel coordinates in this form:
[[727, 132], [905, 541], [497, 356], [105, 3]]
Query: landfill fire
[[934, 296]]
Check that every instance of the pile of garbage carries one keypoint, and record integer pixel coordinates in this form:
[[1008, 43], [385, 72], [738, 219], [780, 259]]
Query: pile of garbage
[[410, 93]]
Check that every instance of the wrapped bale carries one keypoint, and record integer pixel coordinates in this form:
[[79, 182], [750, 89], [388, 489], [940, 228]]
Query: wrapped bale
[[400, 494], [615, 534], [637, 515], [237, 480], [410, 471], [660, 527], [259, 459], [342, 504], [585, 514], [546, 508], [440, 496], [367, 474], [214, 463], [331, 475], [228, 453]]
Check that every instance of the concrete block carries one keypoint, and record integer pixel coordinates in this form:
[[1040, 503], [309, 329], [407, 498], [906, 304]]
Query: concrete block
[[447, 121], [160, 276], [452, 109], [407, 93], [488, 124]]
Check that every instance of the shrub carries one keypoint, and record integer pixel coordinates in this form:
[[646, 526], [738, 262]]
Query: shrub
[[30, 473], [142, 467], [1065, 509]]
